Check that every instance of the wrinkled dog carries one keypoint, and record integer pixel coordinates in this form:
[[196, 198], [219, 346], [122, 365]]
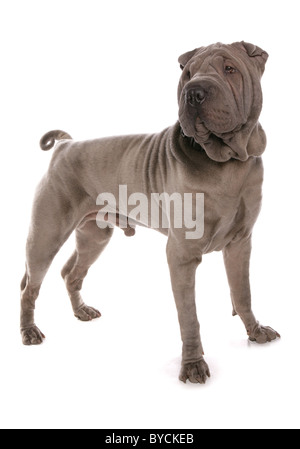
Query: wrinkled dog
[[214, 149]]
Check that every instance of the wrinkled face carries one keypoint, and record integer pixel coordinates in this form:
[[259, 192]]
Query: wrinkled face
[[219, 89]]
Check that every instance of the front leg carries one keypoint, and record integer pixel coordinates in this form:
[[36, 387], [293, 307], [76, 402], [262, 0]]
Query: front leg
[[237, 261], [182, 270]]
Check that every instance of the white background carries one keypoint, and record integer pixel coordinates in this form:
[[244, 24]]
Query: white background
[[98, 68]]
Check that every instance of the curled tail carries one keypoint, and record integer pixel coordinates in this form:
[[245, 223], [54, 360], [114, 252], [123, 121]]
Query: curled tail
[[48, 140]]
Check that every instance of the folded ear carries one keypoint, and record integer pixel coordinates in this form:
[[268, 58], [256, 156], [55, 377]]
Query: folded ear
[[253, 50], [184, 59], [259, 56]]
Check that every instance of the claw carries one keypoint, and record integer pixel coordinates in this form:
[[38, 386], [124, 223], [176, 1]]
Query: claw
[[32, 336], [262, 334], [86, 313], [195, 372]]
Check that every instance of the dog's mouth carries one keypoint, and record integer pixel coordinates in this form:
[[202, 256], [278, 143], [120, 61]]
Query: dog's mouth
[[201, 130], [216, 143], [209, 116]]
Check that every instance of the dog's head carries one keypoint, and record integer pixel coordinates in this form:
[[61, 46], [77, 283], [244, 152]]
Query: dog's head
[[220, 99]]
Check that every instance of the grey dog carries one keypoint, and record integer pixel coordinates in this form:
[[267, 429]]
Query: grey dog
[[214, 148]]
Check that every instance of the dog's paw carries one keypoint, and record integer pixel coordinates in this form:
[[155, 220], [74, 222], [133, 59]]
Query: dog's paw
[[32, 336], [262, 334], [196, 372], [86, 313]]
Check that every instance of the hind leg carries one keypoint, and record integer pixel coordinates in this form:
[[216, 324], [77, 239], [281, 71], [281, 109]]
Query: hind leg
[[90, 242], [52, 222], [31, 335], [41, 249]]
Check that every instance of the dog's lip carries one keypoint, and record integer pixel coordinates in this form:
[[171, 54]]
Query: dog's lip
[[217, 132], [189, 129], [211, 128]]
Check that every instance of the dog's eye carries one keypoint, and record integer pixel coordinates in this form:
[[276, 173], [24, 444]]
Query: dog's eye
[[229, 69], [187, 73]]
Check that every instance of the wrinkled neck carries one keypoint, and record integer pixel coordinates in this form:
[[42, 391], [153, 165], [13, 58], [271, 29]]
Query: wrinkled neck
[[185, 149], [249, 140]]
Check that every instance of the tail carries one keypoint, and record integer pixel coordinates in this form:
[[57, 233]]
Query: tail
[[48, 140]]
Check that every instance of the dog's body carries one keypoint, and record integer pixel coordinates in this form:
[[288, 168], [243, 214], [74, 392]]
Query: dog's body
[[220, 158]]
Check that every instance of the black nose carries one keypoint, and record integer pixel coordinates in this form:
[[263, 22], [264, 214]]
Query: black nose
[[195, 96]]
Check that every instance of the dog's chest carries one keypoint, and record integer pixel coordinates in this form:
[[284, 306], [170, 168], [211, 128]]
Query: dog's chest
[[232, 200]]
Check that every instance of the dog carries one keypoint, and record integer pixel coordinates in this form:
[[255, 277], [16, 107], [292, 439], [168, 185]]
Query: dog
[[213, 150]]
